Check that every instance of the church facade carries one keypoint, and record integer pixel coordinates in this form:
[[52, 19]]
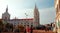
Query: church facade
[[29, 21]]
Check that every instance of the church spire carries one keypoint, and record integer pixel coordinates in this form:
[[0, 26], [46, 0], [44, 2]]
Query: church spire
[[6, 15], [7, 9], [36, 15], [35, 6]]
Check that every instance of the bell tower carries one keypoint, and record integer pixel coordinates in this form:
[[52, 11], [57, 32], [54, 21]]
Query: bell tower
[[36, 16], [6, 15]]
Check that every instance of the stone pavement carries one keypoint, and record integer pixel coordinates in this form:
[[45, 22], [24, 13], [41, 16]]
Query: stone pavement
[[42, 31], [34, 31]]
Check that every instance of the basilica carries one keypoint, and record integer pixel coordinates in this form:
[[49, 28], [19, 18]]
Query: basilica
[[29, 21]]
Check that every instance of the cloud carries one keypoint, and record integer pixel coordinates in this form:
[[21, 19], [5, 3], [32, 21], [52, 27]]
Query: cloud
[[20, 13], [47, 15]]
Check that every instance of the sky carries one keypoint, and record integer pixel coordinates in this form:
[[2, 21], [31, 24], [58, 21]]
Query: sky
[[18, 8]]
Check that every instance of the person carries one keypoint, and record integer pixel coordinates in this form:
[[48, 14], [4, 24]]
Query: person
[[31, 29], [24, 30], [27, 29]]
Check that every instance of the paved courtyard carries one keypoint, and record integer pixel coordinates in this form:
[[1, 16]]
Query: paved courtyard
[[42, 31], [34, 31]]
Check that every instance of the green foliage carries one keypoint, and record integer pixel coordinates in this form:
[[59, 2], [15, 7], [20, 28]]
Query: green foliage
[[21, 27], [1, 25], [59, 24], [9, 26]]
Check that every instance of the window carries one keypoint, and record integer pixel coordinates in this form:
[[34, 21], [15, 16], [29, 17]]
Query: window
[[27, 23], [31, 23], [21, 23], [24, 25]]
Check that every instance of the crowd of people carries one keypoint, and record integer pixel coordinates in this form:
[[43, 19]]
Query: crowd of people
[[20, 28]]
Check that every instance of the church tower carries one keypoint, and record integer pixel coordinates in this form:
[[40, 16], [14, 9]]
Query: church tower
[[36, 16], [6, 15]]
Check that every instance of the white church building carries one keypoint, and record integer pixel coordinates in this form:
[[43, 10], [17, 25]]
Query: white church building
[[29, 21]]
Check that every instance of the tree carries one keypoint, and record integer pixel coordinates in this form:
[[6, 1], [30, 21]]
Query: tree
[[21, 27], [59, 23], [9, 26], [1, 25]]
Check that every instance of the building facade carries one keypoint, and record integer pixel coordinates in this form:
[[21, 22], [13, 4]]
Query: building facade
[[36, 16], [29, 21], [57, 23]]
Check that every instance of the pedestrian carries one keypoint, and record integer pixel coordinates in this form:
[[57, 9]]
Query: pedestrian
[[31, 29], [24, 30], [27, 29]]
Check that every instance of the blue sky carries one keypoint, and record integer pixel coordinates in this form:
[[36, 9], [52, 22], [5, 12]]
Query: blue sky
[[18, 8]]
